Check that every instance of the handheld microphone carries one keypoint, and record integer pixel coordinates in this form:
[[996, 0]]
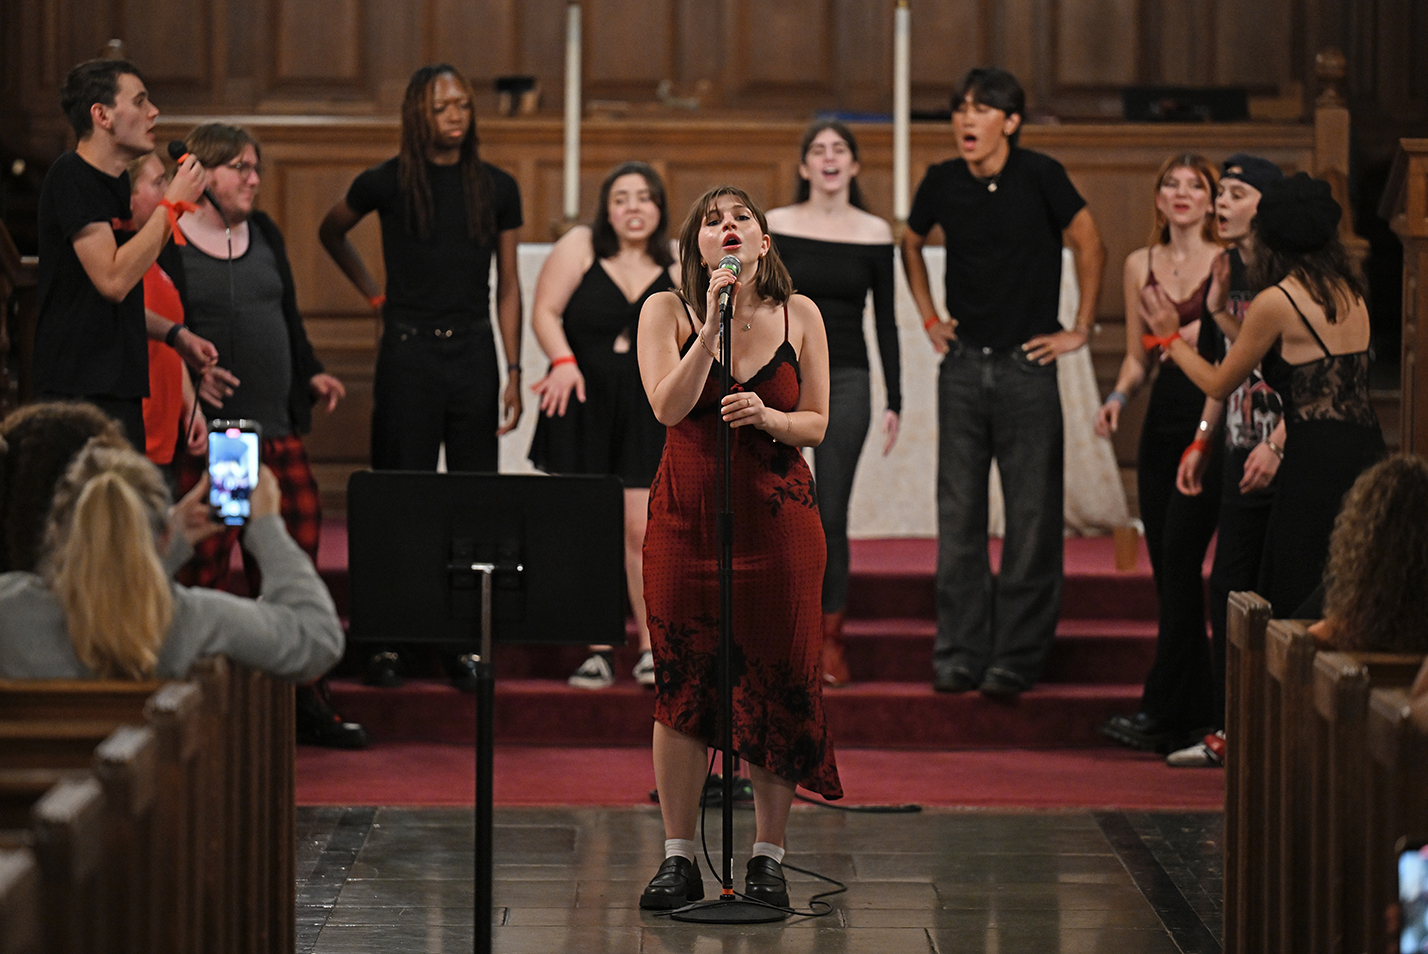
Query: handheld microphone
[[732, 264], [178, 152]]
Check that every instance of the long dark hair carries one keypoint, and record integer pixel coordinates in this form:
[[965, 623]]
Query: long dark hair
[[772, 281], [418, 135], [602, 234], [802, 189], [1327, 273]]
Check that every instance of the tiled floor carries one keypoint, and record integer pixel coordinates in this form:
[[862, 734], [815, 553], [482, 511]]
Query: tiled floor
[[568, 880]]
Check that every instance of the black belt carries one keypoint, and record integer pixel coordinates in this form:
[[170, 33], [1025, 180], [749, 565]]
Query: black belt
[[431, 331]]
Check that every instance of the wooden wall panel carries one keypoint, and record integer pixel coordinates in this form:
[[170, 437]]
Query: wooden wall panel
[[1097, 42], [629, 46], [1255, 43], [480, 39], [317, 43], [172, 39], [761, 55], [947, 40]]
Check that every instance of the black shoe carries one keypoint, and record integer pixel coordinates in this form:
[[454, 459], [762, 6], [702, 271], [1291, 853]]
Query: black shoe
[[1140, 732], [319, 724], [999, 685], [765, 882], [953, 680], [462, 671], [384, 670], [675, 884]]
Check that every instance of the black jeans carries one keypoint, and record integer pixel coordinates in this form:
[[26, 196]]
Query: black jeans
[[836, 461], [429, 388], [998, 405]]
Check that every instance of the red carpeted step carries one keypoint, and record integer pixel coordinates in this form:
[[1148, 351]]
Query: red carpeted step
[[892, 714]]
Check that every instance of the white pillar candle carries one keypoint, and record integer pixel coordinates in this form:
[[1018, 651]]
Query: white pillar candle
[[902, 109], [572, 112]]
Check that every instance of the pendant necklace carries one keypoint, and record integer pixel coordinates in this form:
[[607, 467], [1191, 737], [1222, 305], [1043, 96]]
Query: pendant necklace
[[989, 181]]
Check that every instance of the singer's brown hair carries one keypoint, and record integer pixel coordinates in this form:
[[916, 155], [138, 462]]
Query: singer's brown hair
[[217, 143], [418, 135], [771, 281], [602, 233], [1209, 229]]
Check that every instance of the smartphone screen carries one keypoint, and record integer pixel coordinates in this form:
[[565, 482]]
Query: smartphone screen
[[1413, 899], [232, 469]]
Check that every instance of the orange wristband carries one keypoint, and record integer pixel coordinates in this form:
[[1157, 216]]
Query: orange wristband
[[927, 324], [564, 359], [377, 301], [1151, 341], [1198, 444], [173, 210]]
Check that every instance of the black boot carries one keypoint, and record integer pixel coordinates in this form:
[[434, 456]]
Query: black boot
[[319, 724]]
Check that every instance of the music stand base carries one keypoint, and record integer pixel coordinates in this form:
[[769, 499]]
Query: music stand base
[[729, 911]]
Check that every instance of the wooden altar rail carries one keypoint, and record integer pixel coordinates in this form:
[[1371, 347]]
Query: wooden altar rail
[[191, 783], [1317, 782]]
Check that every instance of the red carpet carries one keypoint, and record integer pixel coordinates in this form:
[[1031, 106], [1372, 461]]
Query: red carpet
[[441, 774]]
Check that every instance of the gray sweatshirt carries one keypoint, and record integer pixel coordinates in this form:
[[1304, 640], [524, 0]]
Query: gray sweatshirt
[[292, 630]]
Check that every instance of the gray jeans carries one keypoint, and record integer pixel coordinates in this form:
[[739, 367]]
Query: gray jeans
[[998, 405]]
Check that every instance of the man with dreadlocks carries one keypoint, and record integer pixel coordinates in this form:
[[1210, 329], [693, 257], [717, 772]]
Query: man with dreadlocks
[[443, 213]]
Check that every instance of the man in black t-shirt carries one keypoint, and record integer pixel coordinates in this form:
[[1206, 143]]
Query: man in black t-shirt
[[444, 214], [1005, 213], [90, 337]]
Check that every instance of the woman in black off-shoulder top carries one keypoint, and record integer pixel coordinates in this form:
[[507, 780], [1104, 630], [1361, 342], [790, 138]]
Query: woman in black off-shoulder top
[[837, 253]]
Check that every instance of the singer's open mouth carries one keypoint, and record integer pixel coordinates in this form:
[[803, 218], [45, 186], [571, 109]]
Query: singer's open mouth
[[732, 242]]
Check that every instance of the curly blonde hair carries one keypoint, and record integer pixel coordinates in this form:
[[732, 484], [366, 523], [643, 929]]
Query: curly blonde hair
[[1375, 588]]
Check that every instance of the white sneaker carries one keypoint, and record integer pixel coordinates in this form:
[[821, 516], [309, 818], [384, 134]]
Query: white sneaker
[[644, 669], [594, 673], [1207, 753]]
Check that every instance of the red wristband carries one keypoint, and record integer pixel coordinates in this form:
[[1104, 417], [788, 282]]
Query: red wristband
[[173, 210], [1151, 341], [564, 359], [1198, 444], [928, 323], [377, 301]]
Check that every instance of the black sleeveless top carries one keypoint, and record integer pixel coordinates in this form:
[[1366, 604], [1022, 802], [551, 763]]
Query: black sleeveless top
[[1332, 388]]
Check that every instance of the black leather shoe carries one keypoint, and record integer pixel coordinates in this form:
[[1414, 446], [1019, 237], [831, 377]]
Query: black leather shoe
[[462, 671], [1140, 732], [319, 724], [765, 882], [953, 680], [999, 685], [675, 884], [384, 670]]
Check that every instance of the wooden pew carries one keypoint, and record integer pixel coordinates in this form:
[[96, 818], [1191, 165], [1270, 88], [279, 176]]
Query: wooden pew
[[20, 928], [126, 765], [1397, 808], [1246, 794], [68, 827], [1340, 770], [1289, 665]]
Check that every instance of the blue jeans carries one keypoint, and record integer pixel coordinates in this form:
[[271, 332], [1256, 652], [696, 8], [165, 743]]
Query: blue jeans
[[998, 404]]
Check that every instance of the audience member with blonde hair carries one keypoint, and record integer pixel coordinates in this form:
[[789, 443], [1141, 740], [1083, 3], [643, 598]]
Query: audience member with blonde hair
[[103, 606]]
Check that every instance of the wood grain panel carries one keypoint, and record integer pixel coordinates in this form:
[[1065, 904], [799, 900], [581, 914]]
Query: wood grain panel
[[948, 39], [306, 191], [777, 43], [1255, 43], [479, 39], [317, 41], [171, 38], [1097, 42], [629, 46]]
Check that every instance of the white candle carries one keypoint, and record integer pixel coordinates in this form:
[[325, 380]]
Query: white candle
[[902, 110], [572, 112]]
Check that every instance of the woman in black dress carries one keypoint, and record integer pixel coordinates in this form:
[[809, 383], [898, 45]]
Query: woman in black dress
[[595, 418], [836, 252]]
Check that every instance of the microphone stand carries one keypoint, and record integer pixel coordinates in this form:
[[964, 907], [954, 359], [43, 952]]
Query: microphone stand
[[727, 908]]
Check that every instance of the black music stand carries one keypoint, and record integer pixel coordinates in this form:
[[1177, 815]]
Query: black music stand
[[457, 558]]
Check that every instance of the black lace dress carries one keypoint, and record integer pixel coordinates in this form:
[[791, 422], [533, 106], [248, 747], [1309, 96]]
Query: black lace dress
[[1333, 435]]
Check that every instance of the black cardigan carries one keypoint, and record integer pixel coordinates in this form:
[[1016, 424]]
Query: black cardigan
[[305, 363]]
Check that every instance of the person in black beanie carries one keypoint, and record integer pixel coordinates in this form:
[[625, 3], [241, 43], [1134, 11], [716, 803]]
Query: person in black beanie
[[1309, 329]]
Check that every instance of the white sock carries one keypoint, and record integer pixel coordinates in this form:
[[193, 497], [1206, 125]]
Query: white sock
[[764, 848], [683, 847]]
